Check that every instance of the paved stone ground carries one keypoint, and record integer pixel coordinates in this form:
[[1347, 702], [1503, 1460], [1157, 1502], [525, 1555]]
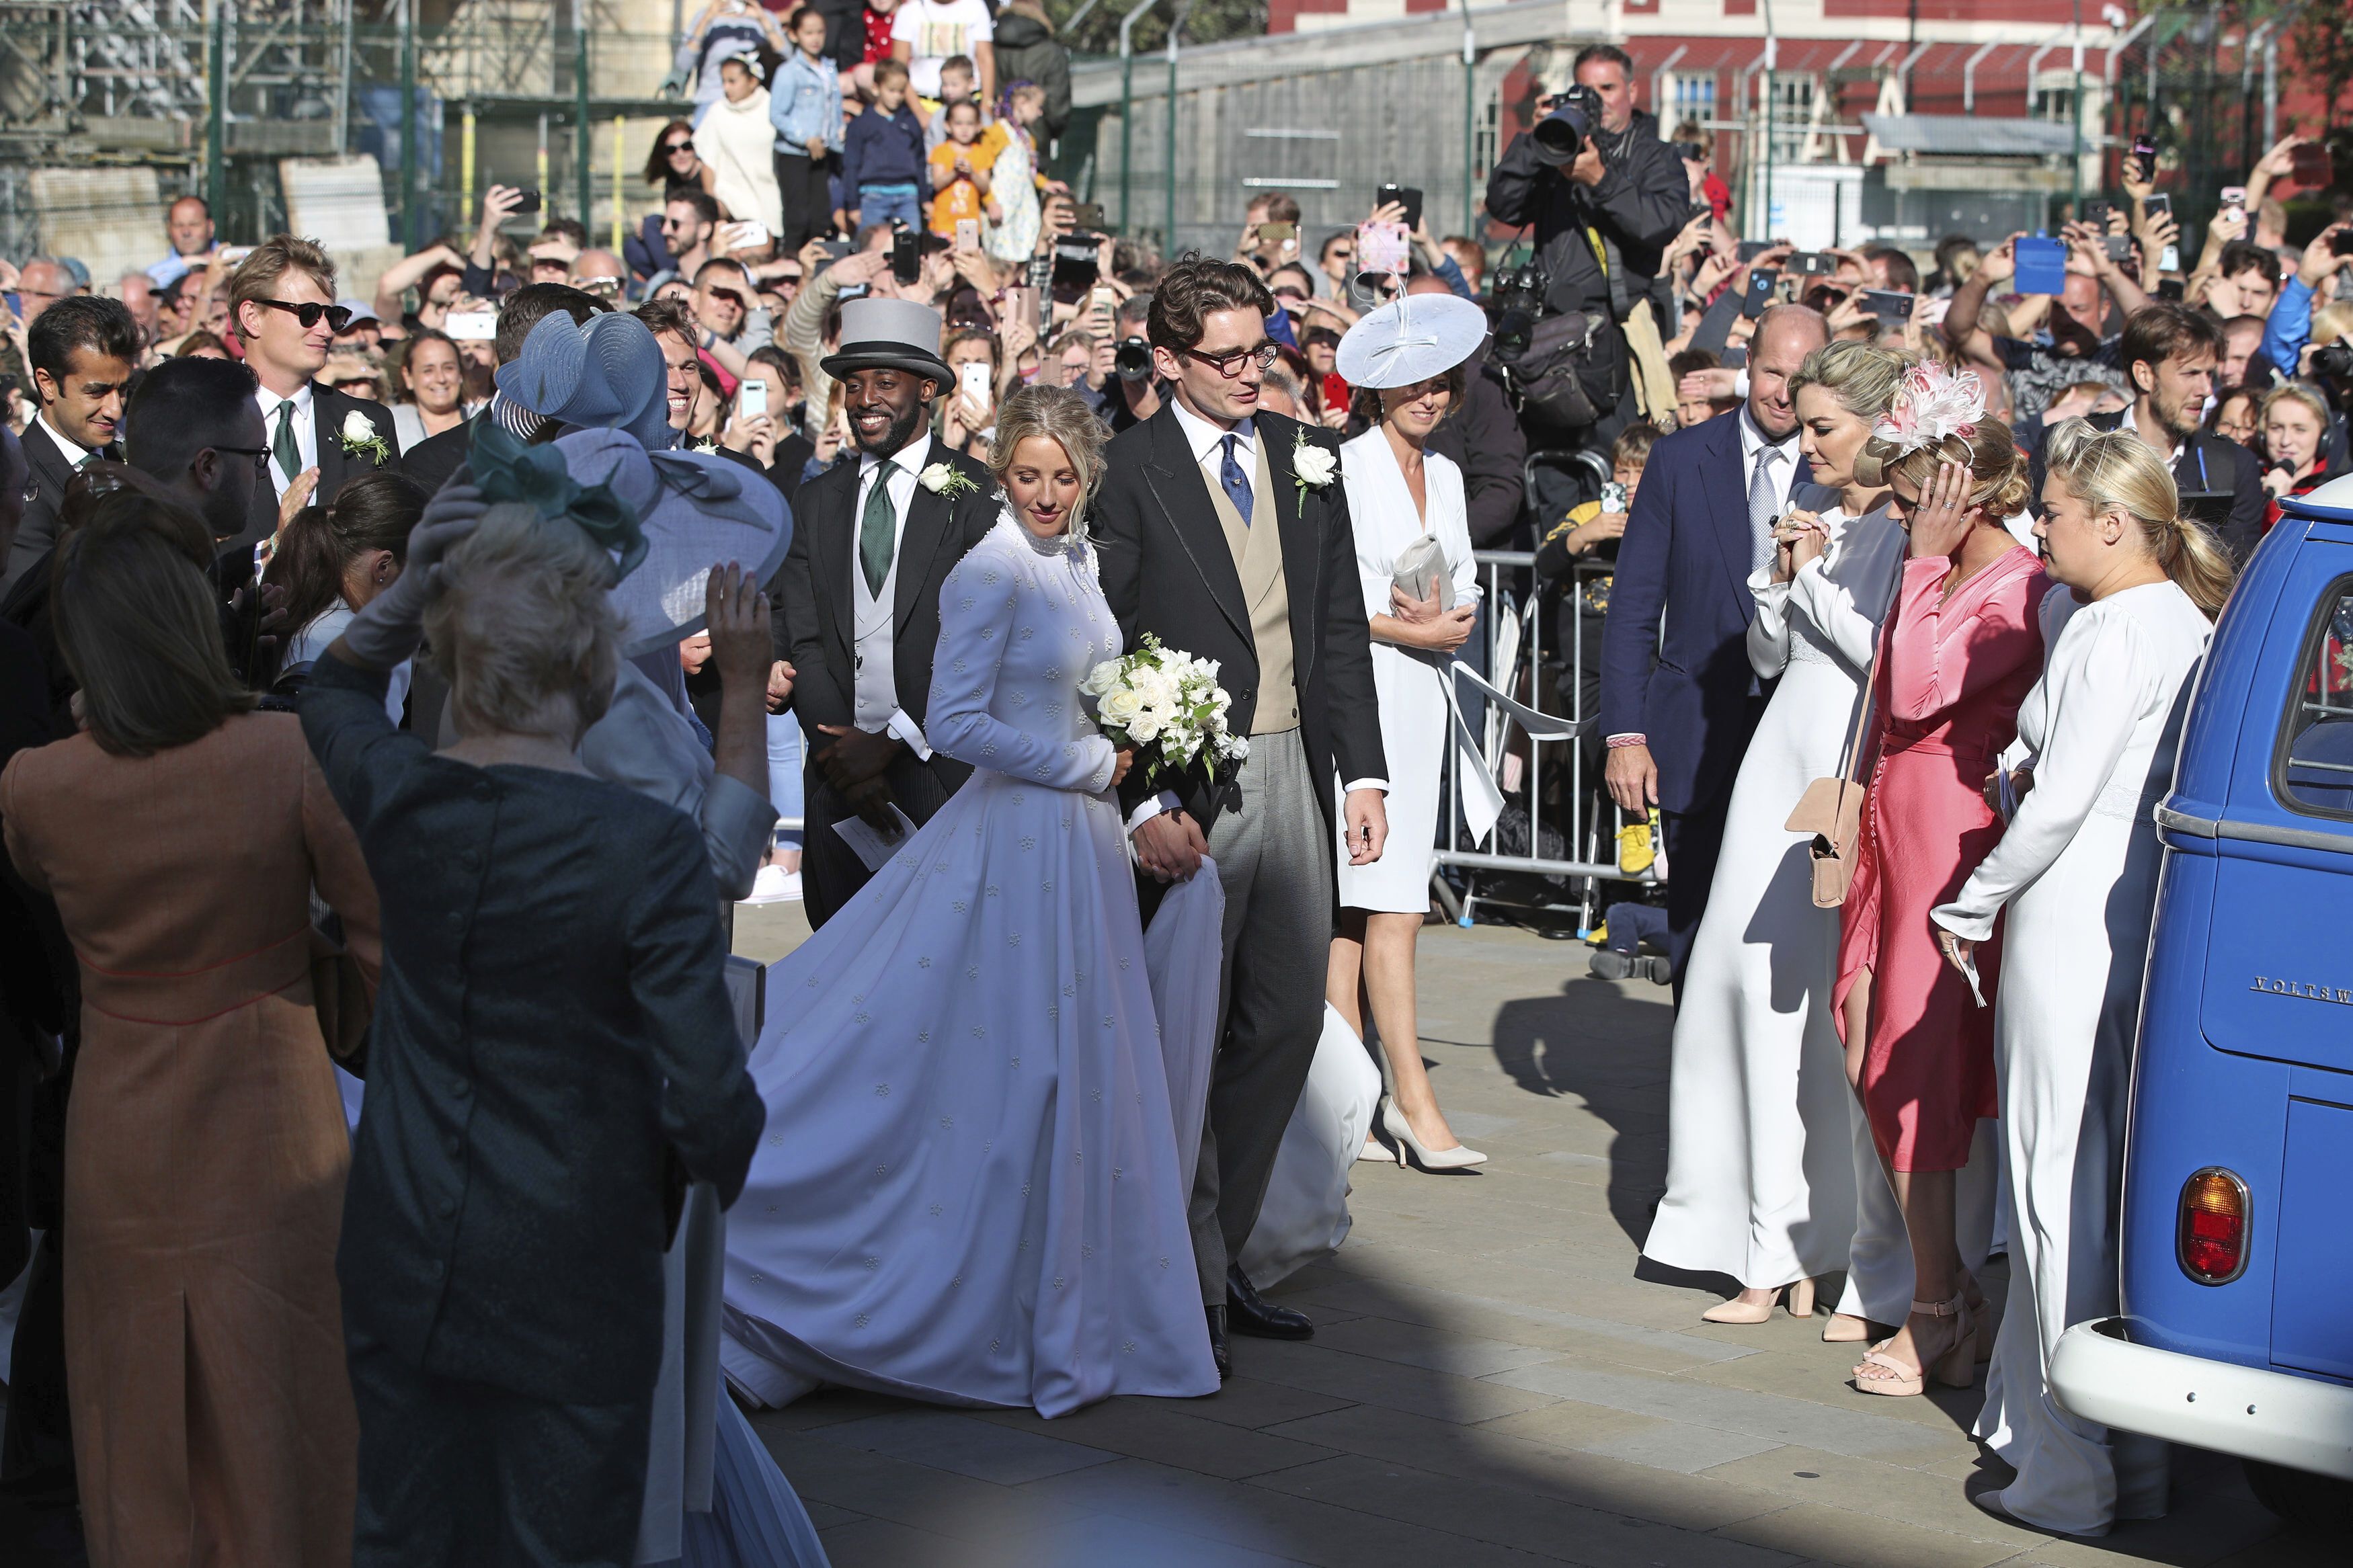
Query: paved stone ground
[[1489, 1383]]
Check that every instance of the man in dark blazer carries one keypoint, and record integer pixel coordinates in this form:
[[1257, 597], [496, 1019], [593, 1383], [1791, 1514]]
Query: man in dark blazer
[[80, 351], [2168, 353], [281, 302], [858, 601], [1223, 530], [1678, 699]]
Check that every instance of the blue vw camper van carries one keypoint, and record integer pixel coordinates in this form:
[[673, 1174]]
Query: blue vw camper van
[[2237, 1328]]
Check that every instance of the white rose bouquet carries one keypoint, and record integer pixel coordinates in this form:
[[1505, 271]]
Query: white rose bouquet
[[1168, 706]]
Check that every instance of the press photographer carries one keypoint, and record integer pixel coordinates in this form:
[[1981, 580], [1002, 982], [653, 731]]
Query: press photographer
[[1605, 197]]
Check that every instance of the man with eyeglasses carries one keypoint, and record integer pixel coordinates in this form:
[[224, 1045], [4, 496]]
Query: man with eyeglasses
[[1223, 529], [282, 307], [81, 351], [600, 274]]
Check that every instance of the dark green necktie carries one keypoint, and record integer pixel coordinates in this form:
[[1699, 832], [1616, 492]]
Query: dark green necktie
[[288, 451], [875, 534]]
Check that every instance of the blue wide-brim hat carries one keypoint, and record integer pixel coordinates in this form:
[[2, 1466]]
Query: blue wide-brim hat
[[696, 509], [606, 375]]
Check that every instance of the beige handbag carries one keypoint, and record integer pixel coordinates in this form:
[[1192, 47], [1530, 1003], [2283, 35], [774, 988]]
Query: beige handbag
[[1832, 808]]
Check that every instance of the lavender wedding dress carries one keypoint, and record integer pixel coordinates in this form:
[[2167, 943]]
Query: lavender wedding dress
[[968, 1190]]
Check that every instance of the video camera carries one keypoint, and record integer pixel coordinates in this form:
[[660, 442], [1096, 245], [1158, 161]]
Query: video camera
[[1560, 135]]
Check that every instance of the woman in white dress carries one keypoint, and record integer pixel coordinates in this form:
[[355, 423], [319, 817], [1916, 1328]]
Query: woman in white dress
[[1760, 1172], [1406, 360], [2077, 868], [968, 1191]]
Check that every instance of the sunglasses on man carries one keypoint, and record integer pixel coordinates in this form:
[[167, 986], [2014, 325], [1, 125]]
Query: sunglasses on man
[[310, 313], [260, 456]]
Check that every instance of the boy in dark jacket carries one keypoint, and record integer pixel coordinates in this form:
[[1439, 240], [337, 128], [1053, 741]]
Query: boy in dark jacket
[[882, 156]]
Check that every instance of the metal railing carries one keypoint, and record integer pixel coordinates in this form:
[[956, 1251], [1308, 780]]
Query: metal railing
[[1514, 611]]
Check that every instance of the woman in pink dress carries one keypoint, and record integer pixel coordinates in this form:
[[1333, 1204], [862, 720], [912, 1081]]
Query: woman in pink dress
[[1956, 656]]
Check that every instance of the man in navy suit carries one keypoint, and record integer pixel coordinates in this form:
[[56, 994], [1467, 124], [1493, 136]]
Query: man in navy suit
[[1678, 699]]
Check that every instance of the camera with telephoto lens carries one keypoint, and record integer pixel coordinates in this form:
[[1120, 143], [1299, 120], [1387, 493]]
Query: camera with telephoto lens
[[1132, 359], [2336, 361], [1576, 115]]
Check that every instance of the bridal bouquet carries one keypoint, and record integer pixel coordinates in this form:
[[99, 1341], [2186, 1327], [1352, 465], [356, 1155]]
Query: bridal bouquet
[[1168, 706]]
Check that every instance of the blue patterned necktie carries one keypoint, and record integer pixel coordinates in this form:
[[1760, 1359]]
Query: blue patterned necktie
[[1236, 481]]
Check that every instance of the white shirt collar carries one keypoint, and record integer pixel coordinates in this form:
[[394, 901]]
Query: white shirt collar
[[1204, 437], [270, 400], [75, 455], [908, 457], [1753, 438], [2172, 448]]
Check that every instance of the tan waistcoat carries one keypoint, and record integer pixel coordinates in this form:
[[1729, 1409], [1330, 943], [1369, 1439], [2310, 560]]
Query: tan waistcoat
[[1258, 558]]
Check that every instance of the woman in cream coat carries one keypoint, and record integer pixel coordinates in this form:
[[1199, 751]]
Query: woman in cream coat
[[2076, 867]]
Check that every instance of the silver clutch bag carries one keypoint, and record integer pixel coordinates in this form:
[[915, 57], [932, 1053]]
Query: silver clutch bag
[[1421, 567]]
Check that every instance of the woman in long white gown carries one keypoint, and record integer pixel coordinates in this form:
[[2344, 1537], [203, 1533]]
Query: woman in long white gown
[[1400, 495], [1760, 1171], [2076, 867], [968, 1191]]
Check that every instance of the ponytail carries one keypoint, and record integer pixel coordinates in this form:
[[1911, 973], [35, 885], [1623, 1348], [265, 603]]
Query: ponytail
[[2117, 471]]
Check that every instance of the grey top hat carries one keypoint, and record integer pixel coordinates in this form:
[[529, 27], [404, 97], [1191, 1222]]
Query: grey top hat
[[896, 335], [608, 375]]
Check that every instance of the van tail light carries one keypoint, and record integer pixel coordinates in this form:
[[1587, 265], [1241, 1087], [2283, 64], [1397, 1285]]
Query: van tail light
[[2213, 1232]]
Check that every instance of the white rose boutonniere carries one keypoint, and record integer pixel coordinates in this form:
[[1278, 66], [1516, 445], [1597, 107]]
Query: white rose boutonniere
[[1314, 466], [945, 479], [360, 439]]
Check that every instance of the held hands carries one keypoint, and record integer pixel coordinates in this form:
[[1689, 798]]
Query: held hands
[[1801, 537], [1170, 845], [856, 759], [780, 686], [1944, 516]]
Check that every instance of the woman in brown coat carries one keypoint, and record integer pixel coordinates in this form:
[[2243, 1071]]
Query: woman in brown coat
[[205, 1147]]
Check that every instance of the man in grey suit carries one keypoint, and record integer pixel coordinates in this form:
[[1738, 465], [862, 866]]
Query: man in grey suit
[[1224, 530]]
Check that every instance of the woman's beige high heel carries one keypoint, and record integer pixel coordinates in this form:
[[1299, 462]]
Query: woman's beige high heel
[[1956, 1366], [1800, 1295], [1410, 1152]]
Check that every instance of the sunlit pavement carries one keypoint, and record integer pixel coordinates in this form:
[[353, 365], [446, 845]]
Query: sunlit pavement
[[1488, 1382]]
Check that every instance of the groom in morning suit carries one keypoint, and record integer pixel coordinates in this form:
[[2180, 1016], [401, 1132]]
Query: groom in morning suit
[[1210, 538], [858, 599], [1679, 701]]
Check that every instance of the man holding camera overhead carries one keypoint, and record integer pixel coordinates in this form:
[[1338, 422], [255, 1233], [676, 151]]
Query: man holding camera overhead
[[1605, 197]]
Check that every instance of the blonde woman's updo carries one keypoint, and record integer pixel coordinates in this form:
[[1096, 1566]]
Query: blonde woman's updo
[[2114, 470], [1063, 418], [1863, 377]]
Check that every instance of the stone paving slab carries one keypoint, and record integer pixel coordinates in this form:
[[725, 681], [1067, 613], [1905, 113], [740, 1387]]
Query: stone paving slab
[[1491, 1384]]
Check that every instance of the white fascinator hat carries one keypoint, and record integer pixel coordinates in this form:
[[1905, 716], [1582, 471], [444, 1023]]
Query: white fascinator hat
[[1410, 339]]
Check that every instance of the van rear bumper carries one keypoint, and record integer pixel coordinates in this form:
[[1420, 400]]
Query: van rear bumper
[[2306, 1424]]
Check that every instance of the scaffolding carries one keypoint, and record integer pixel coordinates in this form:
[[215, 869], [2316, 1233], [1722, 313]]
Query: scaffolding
[[207, 97]]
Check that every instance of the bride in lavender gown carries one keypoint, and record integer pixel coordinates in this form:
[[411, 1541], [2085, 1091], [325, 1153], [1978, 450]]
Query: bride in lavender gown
[[968, 1191]]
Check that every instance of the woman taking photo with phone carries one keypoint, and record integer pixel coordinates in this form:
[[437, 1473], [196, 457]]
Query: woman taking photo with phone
[[2076, 868], [1412, 524]]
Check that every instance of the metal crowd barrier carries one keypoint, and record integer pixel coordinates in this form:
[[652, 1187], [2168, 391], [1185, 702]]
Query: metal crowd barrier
[[1512, 619]]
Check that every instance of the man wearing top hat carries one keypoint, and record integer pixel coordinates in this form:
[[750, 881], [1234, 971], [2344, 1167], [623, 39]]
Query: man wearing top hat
[[858, 600]]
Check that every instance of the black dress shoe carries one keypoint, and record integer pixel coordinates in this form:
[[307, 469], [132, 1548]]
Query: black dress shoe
[[1248, 1313], [1218, 1352]]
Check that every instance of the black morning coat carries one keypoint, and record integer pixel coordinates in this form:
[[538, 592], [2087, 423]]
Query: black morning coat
[[1168, 570], [816, 600], [552, 1017]]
